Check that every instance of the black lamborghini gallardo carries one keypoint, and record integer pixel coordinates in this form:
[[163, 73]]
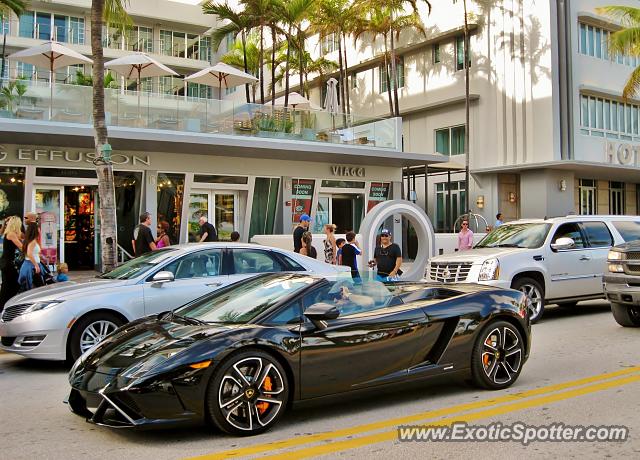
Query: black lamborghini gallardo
[[239, 356]]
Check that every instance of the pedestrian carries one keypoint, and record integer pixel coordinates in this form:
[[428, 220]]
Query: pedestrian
[[208, 232], [330, 248], [302, 227], [307, 248], [144, 240], [350, 250], [11, 259], [31, 271], [387, 257], [30, 218], [63, 270], [339, 243], [163, 240], [499, 220], [235, 237], [465, 237]]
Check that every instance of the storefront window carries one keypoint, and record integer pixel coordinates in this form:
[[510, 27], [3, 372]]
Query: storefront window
[[170, 188], [301, 198], [224, 215], [198, 207], [265, 203], [128, 187], [11, 192]]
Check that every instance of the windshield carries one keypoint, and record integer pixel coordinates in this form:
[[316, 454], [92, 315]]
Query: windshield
[[138, 266], [245, 301], [529, 236]]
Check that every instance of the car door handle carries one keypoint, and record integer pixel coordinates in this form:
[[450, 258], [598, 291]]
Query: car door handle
[[213, 284], [585, 258]]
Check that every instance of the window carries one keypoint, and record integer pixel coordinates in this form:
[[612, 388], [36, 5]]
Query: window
[[255, 261], [601, 117], [112, 37], [201, 264], [450, 141], [435, 53], [616, 198], [140, 39], [48, 26], [263, 211], [185, 45], [598, 234], [231, 90], [382, 77], [449, 204], [570, 230], [4, 24], [291, 314], [329, 43], [587, 196], [353, 79], [76, 31], [594, 42], [230, 40], [460, 53], [629, 230]]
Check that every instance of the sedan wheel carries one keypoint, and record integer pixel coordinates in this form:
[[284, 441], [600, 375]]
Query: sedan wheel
[[91, 330], [534, 292], [248, 393], [498, 356]]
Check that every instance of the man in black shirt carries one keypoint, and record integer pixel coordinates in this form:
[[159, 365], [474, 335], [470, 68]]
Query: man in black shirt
[[388, 258], [144, 240], [207, 231], [302, 227], [349, 252]]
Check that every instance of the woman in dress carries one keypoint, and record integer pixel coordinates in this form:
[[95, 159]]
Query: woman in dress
[[31, 270], [11, 247], [330, 247], [163, 239], [307, 247]]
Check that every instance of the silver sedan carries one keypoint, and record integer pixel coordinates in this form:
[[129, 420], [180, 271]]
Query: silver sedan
[[63, 320]]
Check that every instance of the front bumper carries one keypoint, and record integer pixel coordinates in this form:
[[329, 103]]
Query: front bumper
[[35, 335], [622, 289]]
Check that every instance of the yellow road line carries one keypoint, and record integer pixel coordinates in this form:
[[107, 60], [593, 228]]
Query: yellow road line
[[359, 429], [393, 434]]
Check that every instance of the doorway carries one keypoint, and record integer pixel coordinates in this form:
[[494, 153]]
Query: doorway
[[219, 207], [345, 211]]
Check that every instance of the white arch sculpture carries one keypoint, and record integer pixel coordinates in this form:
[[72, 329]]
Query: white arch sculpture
[[421, 223]]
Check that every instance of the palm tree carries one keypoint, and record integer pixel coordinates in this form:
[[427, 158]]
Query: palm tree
[[244, 55], [467, 103], [239, 24], [259, 12], [113, 11], [626, 41]]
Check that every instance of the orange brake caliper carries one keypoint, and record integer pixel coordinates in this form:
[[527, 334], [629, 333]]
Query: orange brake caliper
[[267, 386]]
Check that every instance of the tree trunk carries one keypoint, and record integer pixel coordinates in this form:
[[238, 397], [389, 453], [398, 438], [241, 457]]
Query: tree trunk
[[104, 169], [4, 59], [386, 73], [273, 65], [341, 74], [261, 64], [347, 104], [286, 69], [246, 64], [300, 61], [466, 108], [394, 76]]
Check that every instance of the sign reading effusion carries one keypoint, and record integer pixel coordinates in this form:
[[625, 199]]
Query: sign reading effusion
[[43, 155], [622, 153]]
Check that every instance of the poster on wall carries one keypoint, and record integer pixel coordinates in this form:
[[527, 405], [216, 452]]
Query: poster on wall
[[49, 232], [301, 198], [379, 193]]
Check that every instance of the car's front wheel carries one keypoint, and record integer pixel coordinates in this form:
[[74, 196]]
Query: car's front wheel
[[248, 393], [535, 292], [498, 356], [627, 316], [90, 330]]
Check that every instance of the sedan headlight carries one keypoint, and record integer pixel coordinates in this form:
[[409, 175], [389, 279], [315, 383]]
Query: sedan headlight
[[37, 306], [490, 270], [616, 268], [616, 255]]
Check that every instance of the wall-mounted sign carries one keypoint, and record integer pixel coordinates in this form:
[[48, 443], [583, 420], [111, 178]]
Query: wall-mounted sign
[[301, 197], [348, 171], [68, 156], [379, 192], [622, 153]]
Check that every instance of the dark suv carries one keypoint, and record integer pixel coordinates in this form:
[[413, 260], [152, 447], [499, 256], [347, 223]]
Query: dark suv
[[622, 283]]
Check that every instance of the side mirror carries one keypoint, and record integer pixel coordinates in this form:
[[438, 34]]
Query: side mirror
[[162, 277], [563, 244], [320, 312]]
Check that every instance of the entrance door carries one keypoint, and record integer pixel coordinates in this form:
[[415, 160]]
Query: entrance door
[[345, 211], [79, 227], [220, 209], [47, 202]]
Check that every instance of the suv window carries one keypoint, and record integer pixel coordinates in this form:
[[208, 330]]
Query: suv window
[[629, 230], [201, 264], [598, 234], [569, 230], [255, 261]]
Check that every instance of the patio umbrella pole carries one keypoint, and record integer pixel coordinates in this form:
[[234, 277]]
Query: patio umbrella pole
[[51, 90]]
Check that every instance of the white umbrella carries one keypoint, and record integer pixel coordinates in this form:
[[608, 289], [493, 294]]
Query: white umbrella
[[296, 100], [51, 55], [221, 75], [138, 65], [331, 99]]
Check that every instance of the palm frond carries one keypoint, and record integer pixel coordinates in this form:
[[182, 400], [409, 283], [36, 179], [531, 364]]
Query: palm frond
[[633, 84]]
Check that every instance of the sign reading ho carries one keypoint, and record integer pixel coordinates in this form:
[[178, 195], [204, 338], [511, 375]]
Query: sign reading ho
[[347, 171], [622, 154]]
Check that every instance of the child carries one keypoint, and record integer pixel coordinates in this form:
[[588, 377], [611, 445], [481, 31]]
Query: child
[[349, 253], [235, 237], [63, 269], [339, 243]]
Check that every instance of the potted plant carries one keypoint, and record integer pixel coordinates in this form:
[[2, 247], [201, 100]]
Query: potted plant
[[308, 126], [266, 126]]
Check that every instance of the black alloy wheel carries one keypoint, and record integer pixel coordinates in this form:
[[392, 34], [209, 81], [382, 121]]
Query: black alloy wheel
[[626, 315], [248, 393], [498, 355]]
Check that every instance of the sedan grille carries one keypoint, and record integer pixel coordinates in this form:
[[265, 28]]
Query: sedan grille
[[449, 272], [12, 312]]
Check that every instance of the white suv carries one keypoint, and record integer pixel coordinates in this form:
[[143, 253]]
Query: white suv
[[559, 260]]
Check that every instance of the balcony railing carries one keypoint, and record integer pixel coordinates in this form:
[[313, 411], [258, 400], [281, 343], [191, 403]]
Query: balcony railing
[[23, 99]]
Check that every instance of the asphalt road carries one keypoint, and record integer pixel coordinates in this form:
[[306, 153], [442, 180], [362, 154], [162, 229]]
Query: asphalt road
[[581, 372]]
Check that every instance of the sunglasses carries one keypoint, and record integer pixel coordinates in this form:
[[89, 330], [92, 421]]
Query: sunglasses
[[464, 224]]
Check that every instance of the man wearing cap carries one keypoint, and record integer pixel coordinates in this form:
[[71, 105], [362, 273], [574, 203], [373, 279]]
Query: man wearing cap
[[302, 227], [388, 258]]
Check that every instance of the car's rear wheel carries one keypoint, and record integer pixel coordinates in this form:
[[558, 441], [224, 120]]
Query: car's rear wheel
[[248, 393], [498, 356], [625, 315], [90, 330], [535, 292]]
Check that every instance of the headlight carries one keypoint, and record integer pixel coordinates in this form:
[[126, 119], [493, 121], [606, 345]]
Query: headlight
[[490, 270], [616, 255], [42, 305], [616, 268]]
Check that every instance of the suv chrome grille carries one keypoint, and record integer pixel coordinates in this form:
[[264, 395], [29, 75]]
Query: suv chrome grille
[[449, 272], [12, 312], [633, 255]]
